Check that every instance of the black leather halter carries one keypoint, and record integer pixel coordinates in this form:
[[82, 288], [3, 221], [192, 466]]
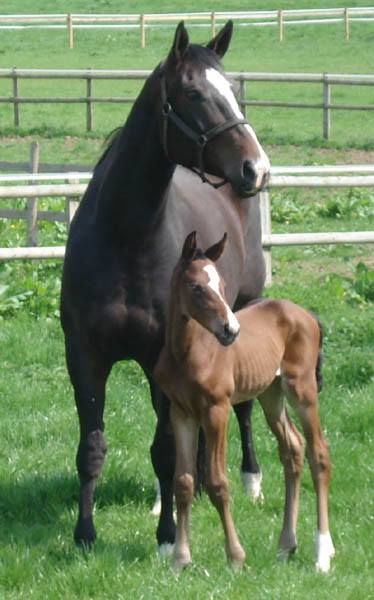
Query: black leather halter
[[200, 139]]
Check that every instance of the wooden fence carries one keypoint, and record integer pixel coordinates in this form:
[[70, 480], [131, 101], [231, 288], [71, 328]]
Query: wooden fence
[[327, 176], [89, 75], [278, 18]]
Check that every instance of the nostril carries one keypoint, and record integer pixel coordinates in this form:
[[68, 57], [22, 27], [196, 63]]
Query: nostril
[[248, 171]]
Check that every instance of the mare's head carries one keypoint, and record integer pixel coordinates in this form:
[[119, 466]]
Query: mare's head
[[202, 125], [201, 289]]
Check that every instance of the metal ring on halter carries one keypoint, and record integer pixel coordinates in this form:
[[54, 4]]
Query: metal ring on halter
[[166, 108], [202, 140]]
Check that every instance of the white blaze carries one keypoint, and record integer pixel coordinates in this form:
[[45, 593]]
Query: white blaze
[[223, 86], [213, 283]]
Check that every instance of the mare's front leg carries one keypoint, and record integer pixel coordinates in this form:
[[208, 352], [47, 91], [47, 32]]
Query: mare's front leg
[[250, 472], [290, 446], [163, 461], [88, 372], [215, 428], [186, 433]]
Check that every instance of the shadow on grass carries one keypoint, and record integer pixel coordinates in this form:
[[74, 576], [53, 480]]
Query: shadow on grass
[[32, 508]]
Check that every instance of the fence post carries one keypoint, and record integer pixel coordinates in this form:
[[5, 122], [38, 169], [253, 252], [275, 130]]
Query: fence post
[[15, 97], [71, 204], [69, 23], [89, 105], [32, 203], [213, 20], [242, 94], [326, 109], [280, 25], [142, 31], [346, 24], [266, 230]]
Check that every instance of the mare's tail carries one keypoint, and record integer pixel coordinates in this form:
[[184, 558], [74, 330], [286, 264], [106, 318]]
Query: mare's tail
[[319, 376]]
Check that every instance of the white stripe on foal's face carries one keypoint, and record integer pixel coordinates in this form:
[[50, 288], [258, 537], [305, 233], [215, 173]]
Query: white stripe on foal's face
[[223, 86], [213, 283]]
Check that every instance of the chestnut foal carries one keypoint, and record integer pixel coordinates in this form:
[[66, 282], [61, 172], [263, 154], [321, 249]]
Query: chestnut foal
[[203, 374]]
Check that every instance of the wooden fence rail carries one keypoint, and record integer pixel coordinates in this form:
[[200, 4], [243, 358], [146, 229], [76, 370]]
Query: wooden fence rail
[[304, 178], [89, 75], [279, 18]]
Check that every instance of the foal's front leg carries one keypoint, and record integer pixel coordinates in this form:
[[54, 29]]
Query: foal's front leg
[[215, 427], [186, 438]]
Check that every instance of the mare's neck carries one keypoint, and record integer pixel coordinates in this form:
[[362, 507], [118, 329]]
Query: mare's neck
[[135, 171]]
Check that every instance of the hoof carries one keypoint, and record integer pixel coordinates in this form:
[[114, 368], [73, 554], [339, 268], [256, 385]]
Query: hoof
[[252, 486], [324, 552], [84, 533], [165, 550], [181, 560]]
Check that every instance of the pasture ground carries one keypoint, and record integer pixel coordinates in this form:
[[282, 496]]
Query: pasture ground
[[38, 428]]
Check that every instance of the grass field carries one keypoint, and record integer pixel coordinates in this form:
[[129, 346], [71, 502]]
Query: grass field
[[39, 428]]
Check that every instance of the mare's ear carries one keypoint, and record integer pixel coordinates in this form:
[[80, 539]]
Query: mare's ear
[[221, 42], [189, 246], [180, 44], [215, 251]]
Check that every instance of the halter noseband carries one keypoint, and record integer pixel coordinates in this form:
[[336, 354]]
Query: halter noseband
[[200, 139]]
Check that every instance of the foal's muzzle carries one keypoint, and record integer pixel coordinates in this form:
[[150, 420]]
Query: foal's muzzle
[[226, 336]]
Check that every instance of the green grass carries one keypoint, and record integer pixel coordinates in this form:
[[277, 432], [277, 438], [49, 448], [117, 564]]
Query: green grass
[[309, 48]]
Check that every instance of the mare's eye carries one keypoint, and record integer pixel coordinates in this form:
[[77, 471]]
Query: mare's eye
[[193, 95]]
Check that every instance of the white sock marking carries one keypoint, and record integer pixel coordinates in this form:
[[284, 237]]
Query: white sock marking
[[156, 510], [252, 485], [324, 551], [213, 283], [221, 84], [166, 550]]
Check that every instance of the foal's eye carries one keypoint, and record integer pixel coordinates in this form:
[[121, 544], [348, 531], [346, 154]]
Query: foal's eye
[[196, 287], [193, 95]]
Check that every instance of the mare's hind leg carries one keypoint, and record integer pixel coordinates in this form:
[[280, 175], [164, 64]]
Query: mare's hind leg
[[215, 428], [290, 446], [250, 473], [304, 400], [163, 461], [88, 373]]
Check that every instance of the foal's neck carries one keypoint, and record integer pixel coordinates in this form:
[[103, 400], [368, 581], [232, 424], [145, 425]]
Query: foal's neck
[[186, 340], [135, 171]]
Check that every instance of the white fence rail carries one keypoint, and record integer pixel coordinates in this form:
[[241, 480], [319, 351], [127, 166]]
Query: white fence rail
[[258, 18], [327, 80], [361, 176]]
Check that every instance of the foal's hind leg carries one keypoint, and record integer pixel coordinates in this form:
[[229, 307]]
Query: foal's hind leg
[[304, 401], [251, 475], [290, 446], [88, 374], [215, 427]]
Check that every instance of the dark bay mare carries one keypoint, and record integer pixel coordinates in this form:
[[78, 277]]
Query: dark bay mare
[[126, 237]]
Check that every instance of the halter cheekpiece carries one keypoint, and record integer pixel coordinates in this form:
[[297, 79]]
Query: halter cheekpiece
[[200, 139]]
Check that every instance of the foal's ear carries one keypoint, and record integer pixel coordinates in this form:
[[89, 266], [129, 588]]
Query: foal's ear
[[215, 251], [189, 246], [220, 43], [180, 44]]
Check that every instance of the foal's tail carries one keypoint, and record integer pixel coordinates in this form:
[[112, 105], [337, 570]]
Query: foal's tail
[[319, 376]]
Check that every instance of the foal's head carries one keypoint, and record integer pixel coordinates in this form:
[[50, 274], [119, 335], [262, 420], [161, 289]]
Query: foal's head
[[196, 90], [202, 289]]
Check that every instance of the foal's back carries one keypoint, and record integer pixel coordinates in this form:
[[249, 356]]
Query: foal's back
[[275, 336]]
